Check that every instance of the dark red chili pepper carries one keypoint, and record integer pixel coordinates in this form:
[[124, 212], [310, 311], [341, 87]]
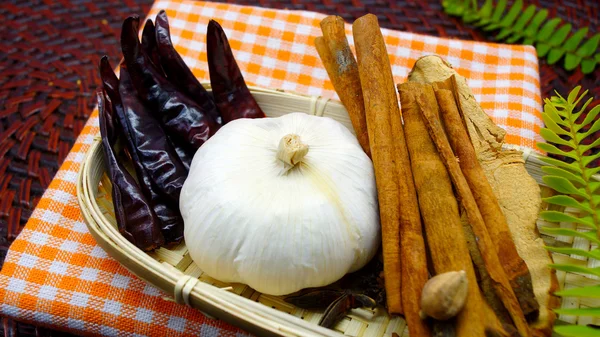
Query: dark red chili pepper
[[136, 219], [183, 119], [178, 72], [232, 96], [165, 208], [149, 43], [158, 158]]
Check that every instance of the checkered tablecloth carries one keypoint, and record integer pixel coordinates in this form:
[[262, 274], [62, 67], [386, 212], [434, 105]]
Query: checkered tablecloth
[[56, 275]]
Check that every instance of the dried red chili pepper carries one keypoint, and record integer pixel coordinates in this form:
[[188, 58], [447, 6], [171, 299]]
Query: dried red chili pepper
[[128, 109], [157, 157], [230, 92], [149, 43], [187, 123], [178, 72], [136, 219]]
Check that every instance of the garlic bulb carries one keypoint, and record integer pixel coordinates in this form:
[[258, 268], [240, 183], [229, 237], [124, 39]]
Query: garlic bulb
[[281, 204]]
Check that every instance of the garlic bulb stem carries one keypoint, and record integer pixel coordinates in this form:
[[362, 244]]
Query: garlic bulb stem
[[291, 151]]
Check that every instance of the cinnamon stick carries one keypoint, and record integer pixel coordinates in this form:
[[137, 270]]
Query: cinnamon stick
[[515, 268], [484, 242], [372, 60], [342, 69], [439, 208], [381, 105]]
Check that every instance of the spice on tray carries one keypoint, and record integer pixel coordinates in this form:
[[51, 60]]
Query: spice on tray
[[159, 167], [495, 221], [444, 295], [187, 122], [342, 69], [149, 43], [484, 242], [128, 110], [372, 59], [517, 192], [230, 92], [135, 217], [177, 71], [439, 209], [381, 105]]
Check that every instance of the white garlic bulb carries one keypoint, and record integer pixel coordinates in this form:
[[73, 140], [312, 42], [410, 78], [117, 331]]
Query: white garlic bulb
[[281, 204]]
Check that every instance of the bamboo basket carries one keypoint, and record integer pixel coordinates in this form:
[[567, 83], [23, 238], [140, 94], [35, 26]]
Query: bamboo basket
[[173, 271]]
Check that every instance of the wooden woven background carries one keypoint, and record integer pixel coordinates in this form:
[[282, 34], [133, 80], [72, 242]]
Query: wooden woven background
[[49, 51]]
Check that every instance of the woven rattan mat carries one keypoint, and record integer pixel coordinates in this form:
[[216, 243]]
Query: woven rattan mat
[[48, 56]]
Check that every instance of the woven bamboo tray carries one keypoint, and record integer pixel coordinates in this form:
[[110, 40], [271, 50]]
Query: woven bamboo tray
[[173, 271]]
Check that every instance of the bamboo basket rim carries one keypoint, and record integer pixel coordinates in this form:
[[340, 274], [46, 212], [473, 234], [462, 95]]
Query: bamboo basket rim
[[211, 300]]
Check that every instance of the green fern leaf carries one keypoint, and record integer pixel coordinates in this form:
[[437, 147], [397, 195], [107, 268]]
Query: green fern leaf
[[589, 292], [557, 171], [588, 159], [562, 185], [594, 144], [552, 125], [511, 16], [542, 49], [593, 254], [576, 115], [500, 6], [555, 150], [569, 166], [555, 216], [570, 268], [550, 136], [558, 116], [593, 312], [561, 34], [568, 201], [518, 30], [572, 61], [573, 42], [591, 172], [591, 116], [588, 66], [555, 54], [534, 26], [577, 331], [548, 29], [487, 8], [594, 186], [588, 48], [591, 235], [573, 95], [595, 127], [508, 21]]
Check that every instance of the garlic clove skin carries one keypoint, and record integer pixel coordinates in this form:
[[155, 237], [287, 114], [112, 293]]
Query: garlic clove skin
[[281, 223], [444, 295]]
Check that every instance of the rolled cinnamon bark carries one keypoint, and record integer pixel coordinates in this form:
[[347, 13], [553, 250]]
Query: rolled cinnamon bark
[[342, 69], [372, 60], [439, 208], [386, 135], [514, 266], [484, 242]]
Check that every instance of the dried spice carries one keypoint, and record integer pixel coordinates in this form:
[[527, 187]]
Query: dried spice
[[136, 219], [230, 92]]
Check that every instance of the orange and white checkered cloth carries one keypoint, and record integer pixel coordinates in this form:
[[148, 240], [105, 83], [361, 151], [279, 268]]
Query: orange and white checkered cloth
[[56, 275]]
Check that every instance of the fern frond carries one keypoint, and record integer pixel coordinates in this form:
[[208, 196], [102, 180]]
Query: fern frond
[[589, 292], [578, 188], [552, 38], [569, 201], [592, 254], [577, 331]]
